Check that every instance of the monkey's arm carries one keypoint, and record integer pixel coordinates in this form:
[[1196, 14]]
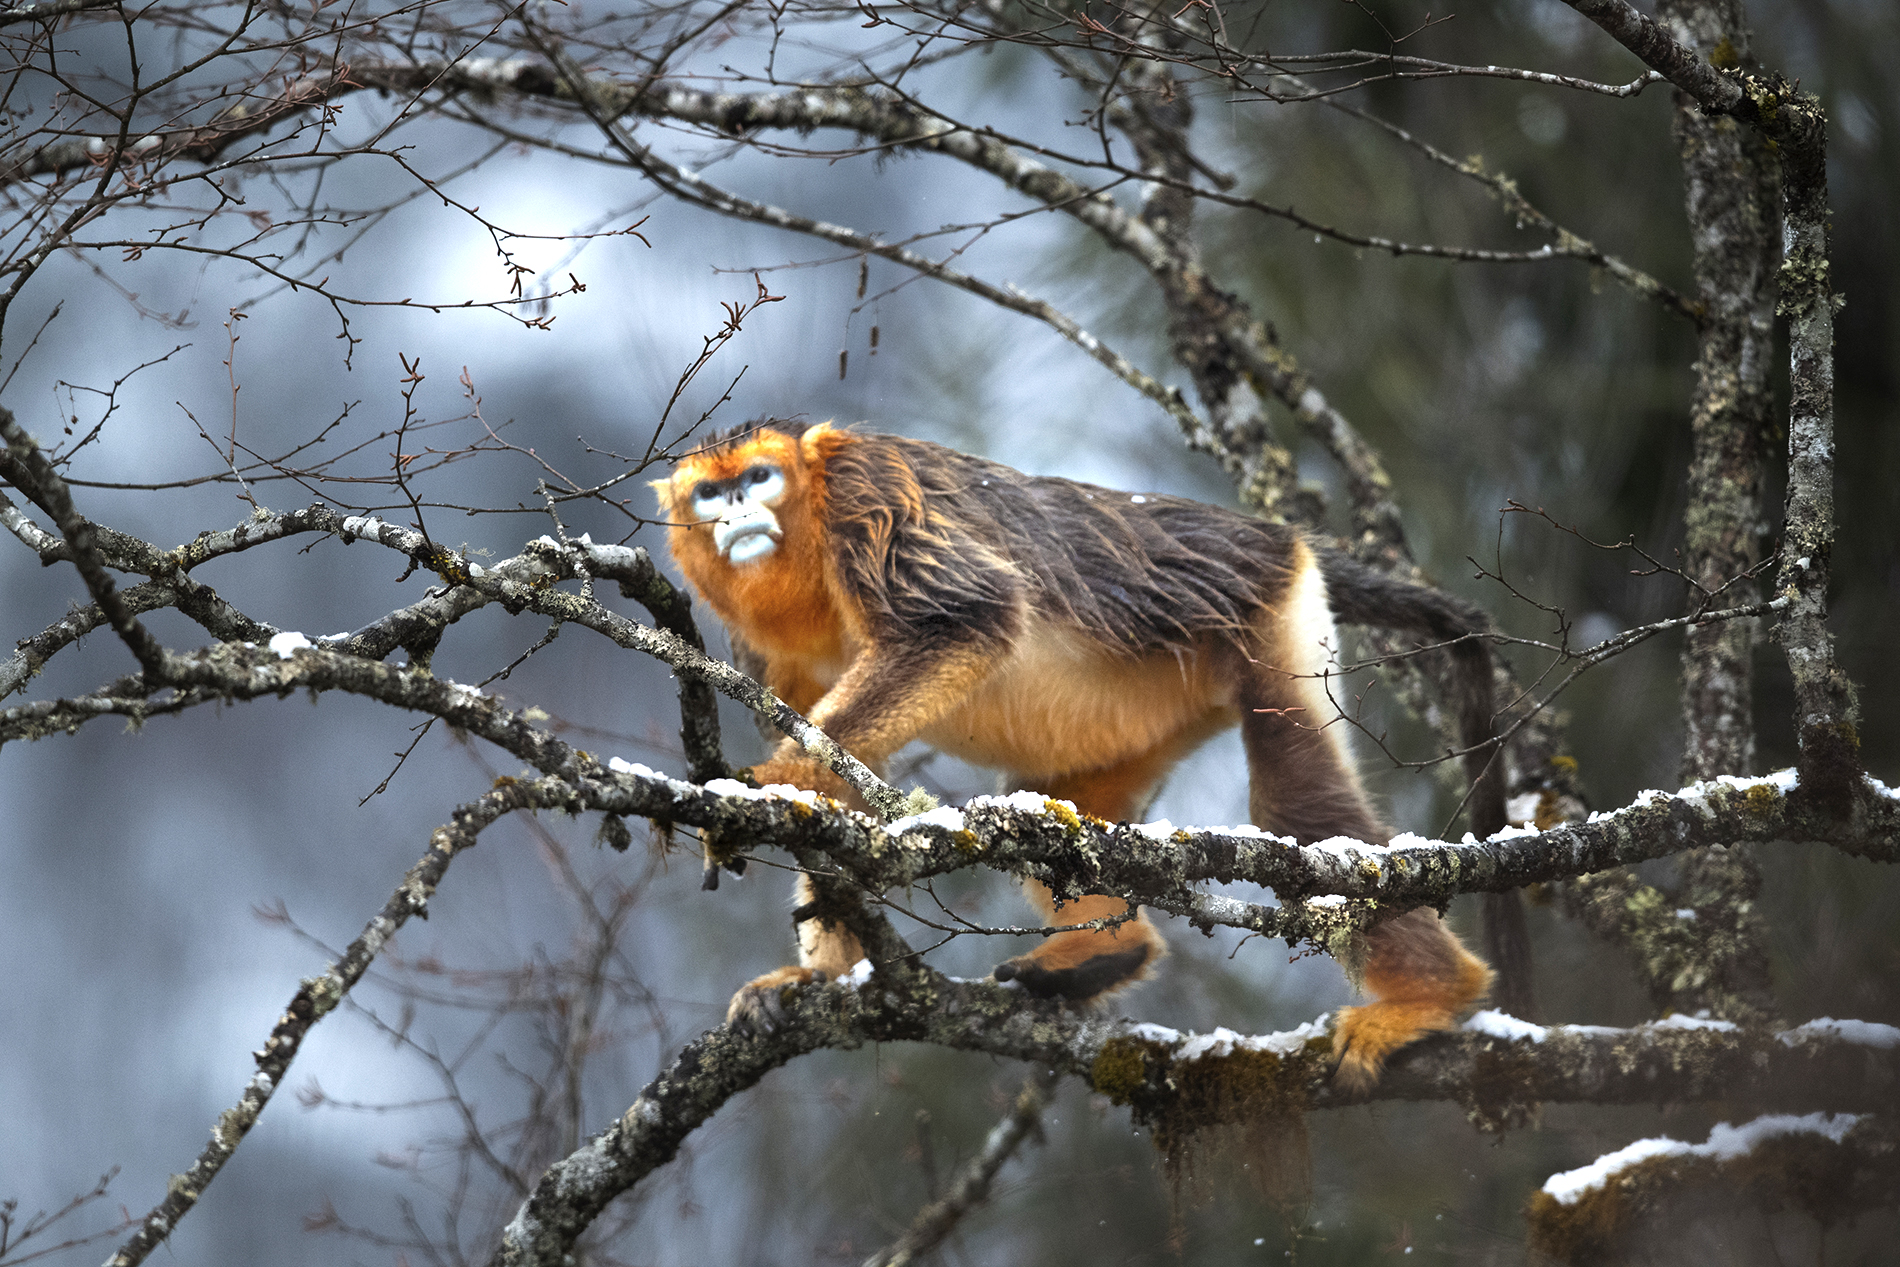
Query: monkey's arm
[[890, 692], [826, 949]]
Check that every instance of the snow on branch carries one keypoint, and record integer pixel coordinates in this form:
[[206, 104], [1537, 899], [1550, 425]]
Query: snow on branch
[[1828, 1165]]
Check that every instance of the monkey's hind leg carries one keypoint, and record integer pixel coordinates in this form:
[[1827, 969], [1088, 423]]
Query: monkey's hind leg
[[825, 950], [1086, 963], [1421, 979]]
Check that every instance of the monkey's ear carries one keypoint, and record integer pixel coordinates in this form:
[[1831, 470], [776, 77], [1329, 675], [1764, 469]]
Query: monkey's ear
[[817, 444], [665, 490]]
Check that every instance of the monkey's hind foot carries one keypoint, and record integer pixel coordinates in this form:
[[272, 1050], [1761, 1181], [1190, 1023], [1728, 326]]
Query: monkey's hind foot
[[1363, 1037], [1081, 980], [1421, 979], [759, 1006]]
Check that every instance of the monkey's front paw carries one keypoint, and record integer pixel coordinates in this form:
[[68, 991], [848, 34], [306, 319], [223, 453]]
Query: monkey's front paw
[[759, 1006], [1083, 980]]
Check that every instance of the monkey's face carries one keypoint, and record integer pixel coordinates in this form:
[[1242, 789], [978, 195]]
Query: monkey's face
[[736, 495], [744, 529]]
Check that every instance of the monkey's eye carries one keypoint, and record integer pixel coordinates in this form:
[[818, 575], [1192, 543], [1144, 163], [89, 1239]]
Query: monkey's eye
[[708, 501], [762, 483]]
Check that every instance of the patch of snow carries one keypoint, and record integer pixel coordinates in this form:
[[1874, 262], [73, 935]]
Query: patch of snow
[[1160, 829], [286, 644], [1685, 912], [1028, 802], [787, 792], [1679, 1021], [1783, 781], [945, 816], [1725, 1143], [1288, 1041], [770, 792], [1502, 1025], [1865, 1033], [1157, 1033], [859, 974], [1571, 1185], [1218, 1043], [1346, 849], [1225, 1042], [619, 766], [1327, 899], [1590, 1031]]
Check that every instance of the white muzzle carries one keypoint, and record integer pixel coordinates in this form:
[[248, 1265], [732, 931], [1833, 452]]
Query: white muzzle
[[746, 533]]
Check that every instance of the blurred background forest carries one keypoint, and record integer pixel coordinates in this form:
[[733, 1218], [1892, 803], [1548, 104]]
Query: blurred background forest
[[165, 888]]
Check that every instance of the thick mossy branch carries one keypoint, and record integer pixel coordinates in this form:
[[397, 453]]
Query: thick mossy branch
[[1795, 124], [1650, 1202], [1717, 959], [1048, 841], [1023, 835], [1190, 1084]]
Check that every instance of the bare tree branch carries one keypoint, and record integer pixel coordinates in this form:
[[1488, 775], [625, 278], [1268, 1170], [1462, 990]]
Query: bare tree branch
[[971, 1187], [318, 996]]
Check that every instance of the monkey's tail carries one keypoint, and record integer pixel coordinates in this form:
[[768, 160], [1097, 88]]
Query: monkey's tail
[[1361, 595]]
